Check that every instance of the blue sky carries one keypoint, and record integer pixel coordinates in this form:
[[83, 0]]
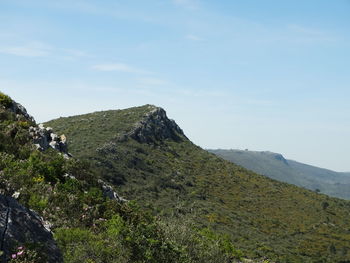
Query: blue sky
[[257, 74]]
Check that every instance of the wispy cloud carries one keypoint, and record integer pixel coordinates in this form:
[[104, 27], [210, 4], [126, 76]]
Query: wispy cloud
[[153, 81], [75, 53], [194, 37], [305, 30], [121, 67], [308, 34], [191, 4], [33, 49]]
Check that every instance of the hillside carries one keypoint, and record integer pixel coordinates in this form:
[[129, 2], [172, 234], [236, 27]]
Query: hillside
[[54, 208], [275, 166], [149, 159]]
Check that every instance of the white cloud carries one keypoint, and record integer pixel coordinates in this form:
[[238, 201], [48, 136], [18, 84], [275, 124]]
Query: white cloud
[[307, 34], [75, 53], [194, 37], [191, 4], [153, 81], [305, 30], [119, 67], [33, 49]]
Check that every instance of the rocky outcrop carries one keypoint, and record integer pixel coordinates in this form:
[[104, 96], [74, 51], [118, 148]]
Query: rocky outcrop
[[44, 138], [20, 226], [109, 192], [154, 127], [20, 112]]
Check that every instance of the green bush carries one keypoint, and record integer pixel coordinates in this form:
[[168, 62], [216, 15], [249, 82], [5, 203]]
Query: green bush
[[37, 202], [5, 100]]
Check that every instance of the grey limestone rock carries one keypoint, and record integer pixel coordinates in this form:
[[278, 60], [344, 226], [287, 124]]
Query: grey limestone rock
[[44, 138], [109, 192], [19, 226], [19, 110], [155, 126]]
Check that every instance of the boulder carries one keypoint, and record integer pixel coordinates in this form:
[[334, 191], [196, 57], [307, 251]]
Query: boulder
[[44, 138], [20, 226]]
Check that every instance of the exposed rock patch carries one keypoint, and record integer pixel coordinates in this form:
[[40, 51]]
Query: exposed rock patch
[[109, 192], [44, 138], [19, 225], [155, 126], [20, 112]]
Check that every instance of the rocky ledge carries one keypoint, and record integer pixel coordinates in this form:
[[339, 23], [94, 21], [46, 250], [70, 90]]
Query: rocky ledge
[[155, 126], [44, 138], [20, 226], [20, 112]]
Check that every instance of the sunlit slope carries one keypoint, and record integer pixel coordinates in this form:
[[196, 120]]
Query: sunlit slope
[[275, 166], [150, 160]]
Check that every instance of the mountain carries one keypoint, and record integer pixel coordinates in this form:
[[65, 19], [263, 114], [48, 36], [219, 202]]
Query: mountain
[[148, 158], [275, 166], [56, 208]]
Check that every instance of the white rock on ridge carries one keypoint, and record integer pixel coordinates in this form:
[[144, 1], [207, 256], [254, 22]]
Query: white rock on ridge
[[44, 138]]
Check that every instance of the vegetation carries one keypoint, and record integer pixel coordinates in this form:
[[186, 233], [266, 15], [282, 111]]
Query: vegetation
[[5, 100], [262, 217], [276, 167], [88, 226]]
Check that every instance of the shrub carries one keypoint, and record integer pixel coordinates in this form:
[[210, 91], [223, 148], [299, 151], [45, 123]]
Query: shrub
[[37, 202], [5, 100]]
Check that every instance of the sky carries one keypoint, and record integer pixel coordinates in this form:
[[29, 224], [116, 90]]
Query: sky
[[242, 74]]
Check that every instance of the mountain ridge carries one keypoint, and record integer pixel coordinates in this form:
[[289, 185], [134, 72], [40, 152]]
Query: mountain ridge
[[263, 217], [290, 171]]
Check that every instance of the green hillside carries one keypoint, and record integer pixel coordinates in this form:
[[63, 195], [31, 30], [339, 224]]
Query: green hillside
[[89, 222], [275, 166], [149, 159]]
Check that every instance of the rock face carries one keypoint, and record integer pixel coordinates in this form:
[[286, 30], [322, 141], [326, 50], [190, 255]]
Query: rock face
[[109, 192], [44, 138], [20, 111], [19, 225], [155, 126]]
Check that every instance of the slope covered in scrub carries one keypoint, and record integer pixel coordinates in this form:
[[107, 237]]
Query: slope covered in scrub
[[148, 158], [275, 166], [84, 218]]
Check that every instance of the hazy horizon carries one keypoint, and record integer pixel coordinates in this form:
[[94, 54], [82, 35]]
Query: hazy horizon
[[262, 75]]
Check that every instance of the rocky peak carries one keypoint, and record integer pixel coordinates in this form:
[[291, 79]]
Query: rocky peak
[[20, 112], [155, 126], [276, 156]]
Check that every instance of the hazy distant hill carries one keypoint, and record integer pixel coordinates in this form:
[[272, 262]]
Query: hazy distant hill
[[275, 166], [149, 159]]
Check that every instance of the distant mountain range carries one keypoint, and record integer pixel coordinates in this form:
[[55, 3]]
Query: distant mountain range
[[275, 166]]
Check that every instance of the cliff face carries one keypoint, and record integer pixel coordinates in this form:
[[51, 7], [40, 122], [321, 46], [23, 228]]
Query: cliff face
[[155, 126], [19, 225], [21, 112]]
